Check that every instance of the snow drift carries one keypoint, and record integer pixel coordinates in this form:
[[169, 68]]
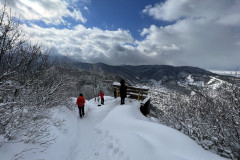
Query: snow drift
[[112, 132]]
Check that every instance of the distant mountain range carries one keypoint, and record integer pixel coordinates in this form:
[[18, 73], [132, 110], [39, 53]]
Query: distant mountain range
[[177, 78], [168, 75]]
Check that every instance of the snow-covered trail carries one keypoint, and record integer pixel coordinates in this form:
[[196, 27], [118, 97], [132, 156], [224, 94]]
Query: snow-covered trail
[[89, 142], [110, 132], [121, 132]]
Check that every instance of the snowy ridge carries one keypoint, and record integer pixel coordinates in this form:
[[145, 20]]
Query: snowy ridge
[[115, 132], [213, 83]]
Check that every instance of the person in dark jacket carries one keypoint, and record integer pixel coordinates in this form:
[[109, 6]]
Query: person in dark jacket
[[123, 91], [80, 102]]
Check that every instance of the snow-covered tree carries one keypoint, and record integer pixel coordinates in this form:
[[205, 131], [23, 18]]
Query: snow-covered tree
[[213, 120], [29, 84]]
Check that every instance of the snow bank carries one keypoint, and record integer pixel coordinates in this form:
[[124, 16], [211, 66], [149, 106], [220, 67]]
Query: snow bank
[[111, 132], [116, 83], [57, 150], [215, 83], [139, 138]]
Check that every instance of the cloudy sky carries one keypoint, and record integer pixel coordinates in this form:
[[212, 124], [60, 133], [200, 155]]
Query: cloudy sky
[[201, 33]]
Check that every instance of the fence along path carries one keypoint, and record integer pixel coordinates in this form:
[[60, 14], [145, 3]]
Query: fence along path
[[133, 92]]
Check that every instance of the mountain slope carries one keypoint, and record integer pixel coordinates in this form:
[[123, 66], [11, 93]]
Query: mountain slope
[[176, 78], [104, 68], [111, 132], [144, 72]]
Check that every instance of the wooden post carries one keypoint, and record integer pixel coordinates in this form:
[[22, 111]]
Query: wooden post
[[139, 95]]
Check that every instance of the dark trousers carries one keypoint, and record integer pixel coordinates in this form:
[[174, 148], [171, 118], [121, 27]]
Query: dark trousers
[[102, 101], [122, 100], [81, 111]]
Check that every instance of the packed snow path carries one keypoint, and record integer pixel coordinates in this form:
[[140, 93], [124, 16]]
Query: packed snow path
[[90, 142]]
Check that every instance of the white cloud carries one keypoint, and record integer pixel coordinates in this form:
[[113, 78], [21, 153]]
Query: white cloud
[[86, 44], [222, 11], [187, 42], [86, 8], [202, 33], [205, 33], [49, 11], [77, 15]]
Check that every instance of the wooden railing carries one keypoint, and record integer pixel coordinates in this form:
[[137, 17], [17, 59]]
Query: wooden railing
[[133, 92], [136, 93]]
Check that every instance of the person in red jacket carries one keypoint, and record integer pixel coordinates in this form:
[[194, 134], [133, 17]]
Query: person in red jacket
[[80, 102], [102, 97]]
